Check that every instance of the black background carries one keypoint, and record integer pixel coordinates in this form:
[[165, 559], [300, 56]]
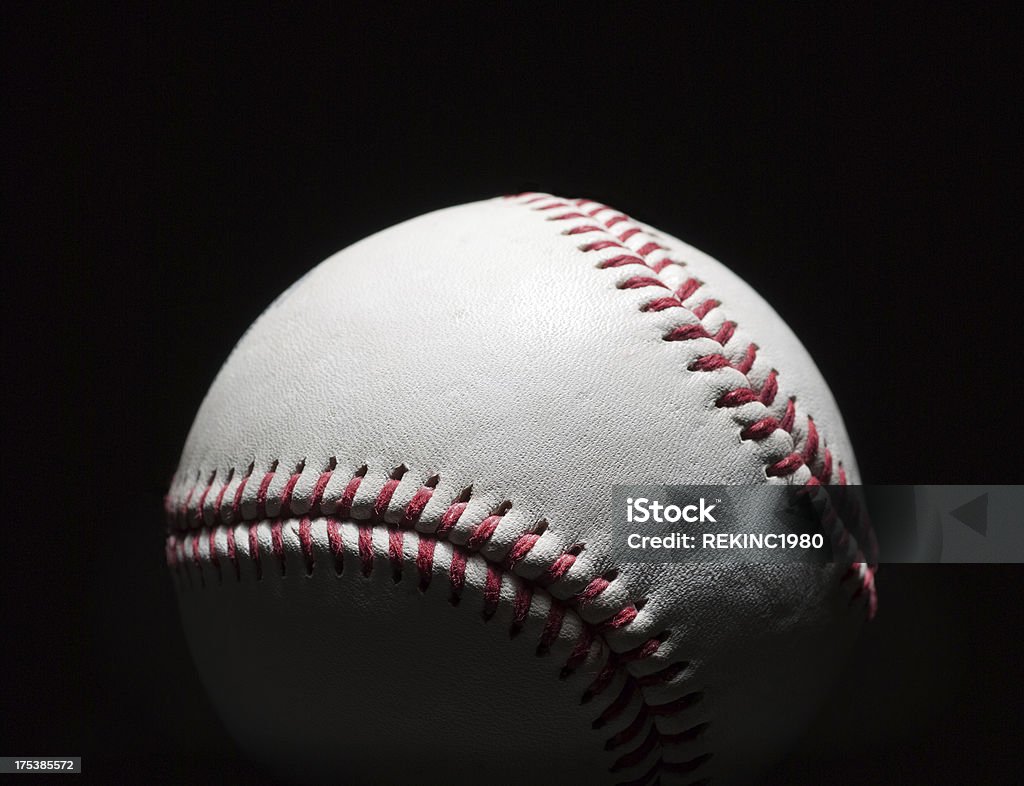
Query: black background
[[169, 172]]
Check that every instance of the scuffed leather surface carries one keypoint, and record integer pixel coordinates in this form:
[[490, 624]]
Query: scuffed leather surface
[[480, 345]]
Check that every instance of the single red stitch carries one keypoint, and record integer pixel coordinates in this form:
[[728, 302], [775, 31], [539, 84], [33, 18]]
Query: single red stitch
[[457, 576], [725, 332], [450, 518], [593, 589], [415, 507], [169, 555], [648, 248], [492, 590], [520, 607], [552, 627], [784, 467], [521, 548], [826, 470], [334, 541], [579, 652], [184, 505], [687, 288], [615, 219], [254, 551], [306, 542], [277, 544], [621, 619], [620, 261], [318, 490], [558, 568], [236, 502], [701, 309], [261, 493], [600, 245], [365, 546], [348, 496], [211, 544], [770, 388], [748, 360], [660, 265], [482, 532], [687, 332], [583, 230], [789, 418], [811, 446], [202, 497], [629, 233], [286, 494], [645, 650], [553, 206], [219, 502], [233, 554], [736, 398], [761, 429], [380, 505], [709, 363], [395, 555], [661, 303], [425, 561], [638, 282], [567, 216]]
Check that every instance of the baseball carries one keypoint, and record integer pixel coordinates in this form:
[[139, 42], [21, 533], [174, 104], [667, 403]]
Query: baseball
[[390, 525]]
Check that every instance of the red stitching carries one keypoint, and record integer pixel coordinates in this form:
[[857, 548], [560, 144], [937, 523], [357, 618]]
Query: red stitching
[[813, 447], [183, 527], [860, 574]]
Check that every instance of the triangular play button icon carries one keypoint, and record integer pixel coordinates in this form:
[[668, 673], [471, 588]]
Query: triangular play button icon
[[974, 514]]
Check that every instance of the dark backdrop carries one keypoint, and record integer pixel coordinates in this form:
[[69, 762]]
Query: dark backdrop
[[169, 171]]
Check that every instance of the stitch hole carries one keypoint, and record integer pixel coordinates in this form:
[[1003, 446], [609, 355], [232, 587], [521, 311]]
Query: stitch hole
[[465, 495], [540, 527], [332, 464], [432, 481], [576, 550], [502, 509], [273, 466], [610, 575], [300, 467], [398, 472]]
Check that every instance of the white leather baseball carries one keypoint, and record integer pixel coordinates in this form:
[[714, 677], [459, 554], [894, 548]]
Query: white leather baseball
[[390, 524]]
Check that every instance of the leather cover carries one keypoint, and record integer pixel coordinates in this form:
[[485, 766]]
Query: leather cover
[[409, 457]]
